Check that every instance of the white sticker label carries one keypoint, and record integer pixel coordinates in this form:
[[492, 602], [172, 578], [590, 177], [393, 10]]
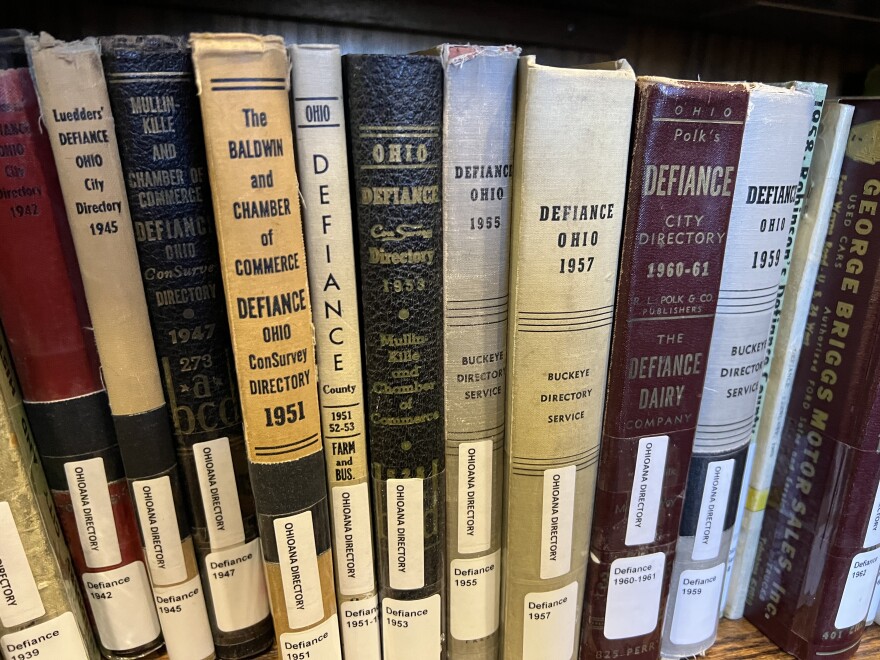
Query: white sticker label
[[875, 602], [238, 586], [633, 604], [56, 638], [158, 519], [184, 619], [20, 600], [318, 643], [696, 605], [647, 489], [474, 496], [713, 509], [872, 535], [406, 533], [549, 623], [90, 498], [216, 476], [411, 628], [122, 603], [556, 521], [354, 542], [295, 540], [859, 587], [474, 596], [360, 628]]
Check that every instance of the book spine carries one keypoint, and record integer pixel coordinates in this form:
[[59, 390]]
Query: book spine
[[47, 324], [772, 153], [322, 163], [154, 103], [827, 154], [244, 83], [825, 483], [395, 106], [77, 112], [684, 166], [572, 136], [41, 609], [478, 122]]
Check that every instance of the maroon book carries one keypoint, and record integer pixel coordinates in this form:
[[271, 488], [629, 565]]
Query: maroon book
[[819, 551], [686, 149]]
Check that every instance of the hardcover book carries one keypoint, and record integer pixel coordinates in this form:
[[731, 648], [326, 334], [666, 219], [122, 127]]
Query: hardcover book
[[153, 98], [244, 84], [395, 112], [322, 159], [478, 125], [77, 112], [771, 156], [819, 551], [52, 346], [569, 181], [684, 168]]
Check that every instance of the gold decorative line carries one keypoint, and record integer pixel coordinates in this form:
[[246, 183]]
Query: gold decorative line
[[432, 127], [731, 122], [369, 136], [411, 166], [142, 74]]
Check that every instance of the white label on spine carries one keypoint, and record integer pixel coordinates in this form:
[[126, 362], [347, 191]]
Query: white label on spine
[[90, 498], [875, 602], [634, 587], [474, 593], [696, 605], [184, 620], [219, 492], [713, 509], [406, 533], [647, 488], [354, 542], [411, 628], [360, 628], [474, 496], [122, 603], [859, 587], [549, 623], [318, 643], [298, 559], [20, 600], [872, 535], [556, 521], [238, 586], [158, 518], [56, 638]]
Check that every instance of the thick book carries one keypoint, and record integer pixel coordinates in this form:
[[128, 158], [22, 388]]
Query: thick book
[[479, 97], [244, 85], [765, 195], [53, 349], [569, 183], [686, 150], [41, 611], [77, 113], [830, 144], [395, 113], [819, 551], [158, 125], [322, 161]]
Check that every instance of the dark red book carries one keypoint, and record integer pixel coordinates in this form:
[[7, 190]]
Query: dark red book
[[819, 551], [686, 149]]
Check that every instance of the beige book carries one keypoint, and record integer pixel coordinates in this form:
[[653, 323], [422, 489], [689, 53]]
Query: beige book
[[322, 164], [243, 83], [569, 181]]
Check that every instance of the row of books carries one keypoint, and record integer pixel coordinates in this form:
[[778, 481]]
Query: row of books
[[399, 425]]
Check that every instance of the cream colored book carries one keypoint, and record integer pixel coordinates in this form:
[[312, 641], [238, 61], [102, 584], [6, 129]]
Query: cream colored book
[[569, 182], [322, 164]]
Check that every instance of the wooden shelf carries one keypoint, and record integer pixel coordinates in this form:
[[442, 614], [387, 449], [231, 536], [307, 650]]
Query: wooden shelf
[[737, 640]]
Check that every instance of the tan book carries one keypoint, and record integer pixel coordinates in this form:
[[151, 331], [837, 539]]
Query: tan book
[[244, 84], [569, 181]]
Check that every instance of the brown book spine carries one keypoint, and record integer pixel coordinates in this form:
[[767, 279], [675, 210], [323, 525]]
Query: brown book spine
[[819, 552], [685, 154]]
